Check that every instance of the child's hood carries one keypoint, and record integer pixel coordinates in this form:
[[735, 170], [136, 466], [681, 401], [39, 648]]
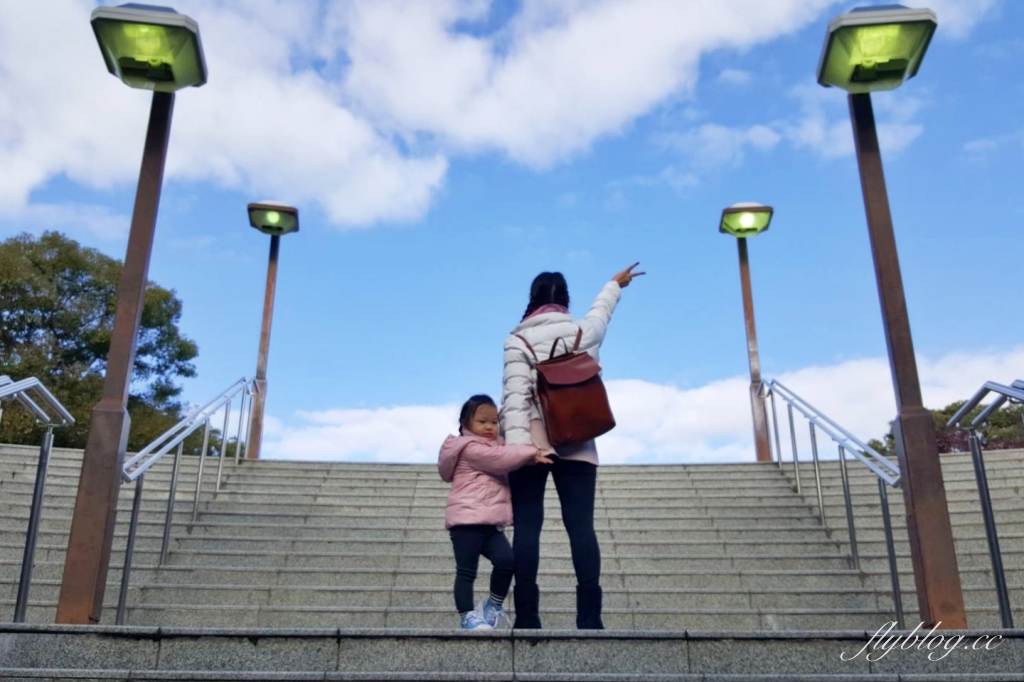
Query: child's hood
[[450, 451]]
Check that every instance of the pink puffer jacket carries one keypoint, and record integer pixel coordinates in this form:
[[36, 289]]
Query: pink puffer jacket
[[477, 468]]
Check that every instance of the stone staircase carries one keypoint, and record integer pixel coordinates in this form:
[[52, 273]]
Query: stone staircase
[[686, 550], [1005, 471]]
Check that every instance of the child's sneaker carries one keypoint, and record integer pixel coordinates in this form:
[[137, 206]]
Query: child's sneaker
[[491, 613], [473, 621]]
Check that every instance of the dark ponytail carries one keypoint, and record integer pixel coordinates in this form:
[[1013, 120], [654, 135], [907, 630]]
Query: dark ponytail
[[547, 287]]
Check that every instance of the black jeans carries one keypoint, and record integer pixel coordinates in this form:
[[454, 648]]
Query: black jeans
[[575, 482], [469, 542]]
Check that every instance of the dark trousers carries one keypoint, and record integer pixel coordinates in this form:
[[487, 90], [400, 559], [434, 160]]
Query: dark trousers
[[575, 482], [469, 542]]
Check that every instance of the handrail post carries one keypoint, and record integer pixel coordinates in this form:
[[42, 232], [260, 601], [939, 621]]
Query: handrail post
[[792, 438], [850, 526], [817, 476], [775, 423], [890, 546], [171, 498], [991, 535], [248, 424], [241, 416], [199, 474], [35, 515], [223, 443], [129, 551]]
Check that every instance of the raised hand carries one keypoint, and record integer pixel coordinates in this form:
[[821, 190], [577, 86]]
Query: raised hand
[[627, 275]]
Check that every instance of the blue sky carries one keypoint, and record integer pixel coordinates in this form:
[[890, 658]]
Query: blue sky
[[443, 153]]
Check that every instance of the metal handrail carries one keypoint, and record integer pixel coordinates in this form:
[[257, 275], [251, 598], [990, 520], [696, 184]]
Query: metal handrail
[[1013, 394], [23, 391], [135, 468], [871, 458], [886, 472], [179, 432]]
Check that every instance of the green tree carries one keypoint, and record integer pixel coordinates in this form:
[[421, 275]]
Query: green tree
[[1004, 430], [57, 305]]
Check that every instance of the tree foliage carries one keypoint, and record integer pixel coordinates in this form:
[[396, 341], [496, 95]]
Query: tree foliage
[[57, 305], [1003, 431]]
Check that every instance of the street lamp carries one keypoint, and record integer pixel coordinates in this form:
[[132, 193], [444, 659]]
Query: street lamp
[[152, 48], [866, 50], [742, 221], [277, 220]]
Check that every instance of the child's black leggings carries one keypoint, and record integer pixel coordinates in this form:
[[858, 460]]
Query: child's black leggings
[[471, 541]]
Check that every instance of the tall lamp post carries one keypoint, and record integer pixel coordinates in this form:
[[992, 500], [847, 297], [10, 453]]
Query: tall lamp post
[[158, 49], [742, 221], [867, 50], [277, 220]]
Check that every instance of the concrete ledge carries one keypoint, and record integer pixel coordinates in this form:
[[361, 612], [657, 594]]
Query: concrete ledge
[[136, 653]]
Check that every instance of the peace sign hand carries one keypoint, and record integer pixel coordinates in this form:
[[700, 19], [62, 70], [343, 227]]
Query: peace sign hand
[[627, 275]]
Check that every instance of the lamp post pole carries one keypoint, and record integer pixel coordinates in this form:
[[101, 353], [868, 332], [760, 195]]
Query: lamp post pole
[[757, 407], [932, 551], [259, 397], [92, 527]]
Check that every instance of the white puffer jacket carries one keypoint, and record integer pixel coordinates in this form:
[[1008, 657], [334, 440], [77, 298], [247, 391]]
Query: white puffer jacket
[[520, 380]]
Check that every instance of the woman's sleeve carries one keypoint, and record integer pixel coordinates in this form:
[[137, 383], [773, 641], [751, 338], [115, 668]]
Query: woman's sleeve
[[497, 460], [595, 323], [516, 395]]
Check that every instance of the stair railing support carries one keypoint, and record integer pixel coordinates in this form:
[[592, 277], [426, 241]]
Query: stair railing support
[[241, 418], [850, 526], [796, 458], [991, 535], [199, 474], [817, 476], [223, 444], [172, 495], [775, 424], [35, 515], [129, 551], [890, 547]]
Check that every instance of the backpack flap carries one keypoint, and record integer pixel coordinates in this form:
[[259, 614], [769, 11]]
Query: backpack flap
[[567, 370]]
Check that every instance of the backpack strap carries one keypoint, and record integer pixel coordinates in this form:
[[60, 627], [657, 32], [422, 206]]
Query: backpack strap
[[532, 351], [554, 345]]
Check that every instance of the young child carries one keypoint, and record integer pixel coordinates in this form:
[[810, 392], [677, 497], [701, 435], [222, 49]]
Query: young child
[[476, 463]]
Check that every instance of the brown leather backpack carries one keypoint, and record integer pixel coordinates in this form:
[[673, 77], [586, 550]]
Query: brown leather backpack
[[571, 395]]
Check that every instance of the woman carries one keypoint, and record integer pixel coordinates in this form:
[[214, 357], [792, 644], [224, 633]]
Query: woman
[[546, 319]]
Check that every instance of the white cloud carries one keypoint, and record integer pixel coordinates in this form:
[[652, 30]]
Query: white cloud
[[712, 145], [568, 73], [357, 107], [824, 123], [994, 144], [661, 423], [258, 125], [71, 218], [957, 17], [734, 77], [670, 176], [821, 125]]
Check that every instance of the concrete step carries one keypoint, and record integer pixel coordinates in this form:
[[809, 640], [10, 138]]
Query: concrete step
[[314, 545], [611, 577], [332, 654], [233, 616]]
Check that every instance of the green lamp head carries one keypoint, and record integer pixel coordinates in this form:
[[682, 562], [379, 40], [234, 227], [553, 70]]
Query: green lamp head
[[875, 48], [745, 219], [153, 48], [274, 218]]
